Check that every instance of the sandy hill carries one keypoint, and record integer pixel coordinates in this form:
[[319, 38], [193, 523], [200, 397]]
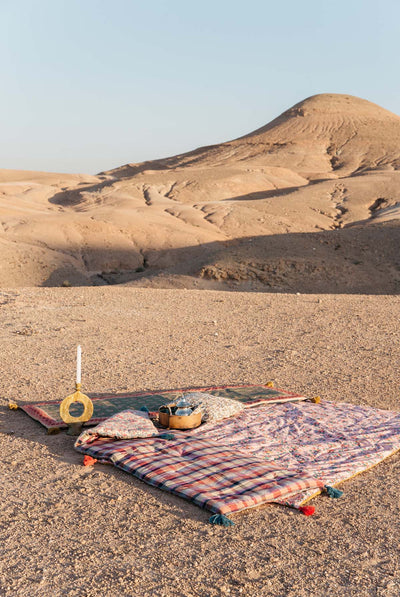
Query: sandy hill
[[328, 134], [308, 200]]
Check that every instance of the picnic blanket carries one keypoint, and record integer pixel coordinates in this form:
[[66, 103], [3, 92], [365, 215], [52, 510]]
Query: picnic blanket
[[105, 406], [284, 453], [205, 472], [331, 441]]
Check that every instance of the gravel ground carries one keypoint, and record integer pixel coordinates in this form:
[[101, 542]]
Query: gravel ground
[[87, 532]]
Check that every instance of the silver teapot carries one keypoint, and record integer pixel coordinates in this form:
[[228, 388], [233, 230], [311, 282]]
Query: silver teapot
[[183, 408]]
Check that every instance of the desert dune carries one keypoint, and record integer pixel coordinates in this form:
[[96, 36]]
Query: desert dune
[[331, 162]]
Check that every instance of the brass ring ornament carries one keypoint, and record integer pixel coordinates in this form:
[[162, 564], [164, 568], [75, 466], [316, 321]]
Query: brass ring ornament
[[76, 397]]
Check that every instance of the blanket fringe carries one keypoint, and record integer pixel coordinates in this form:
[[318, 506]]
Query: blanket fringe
[[221, 519], [166, 436], [333, 492]]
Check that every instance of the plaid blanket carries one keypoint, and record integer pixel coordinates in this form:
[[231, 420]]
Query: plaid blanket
[[210, 475], [282, 453]]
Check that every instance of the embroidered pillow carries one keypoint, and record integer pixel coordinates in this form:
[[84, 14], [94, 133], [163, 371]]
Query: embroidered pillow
[[214, 408], [127, 424]]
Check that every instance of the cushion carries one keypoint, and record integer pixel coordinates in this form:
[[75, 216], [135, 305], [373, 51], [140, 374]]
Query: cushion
[[214, 408], [127, 424]]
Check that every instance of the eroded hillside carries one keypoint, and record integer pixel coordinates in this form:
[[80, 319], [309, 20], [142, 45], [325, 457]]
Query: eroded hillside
[[331, 162]]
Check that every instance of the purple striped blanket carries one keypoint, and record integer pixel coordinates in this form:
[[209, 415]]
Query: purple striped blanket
[[332, 441]]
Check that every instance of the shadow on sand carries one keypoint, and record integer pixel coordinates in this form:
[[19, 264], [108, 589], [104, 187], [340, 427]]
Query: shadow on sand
[[352, 260]]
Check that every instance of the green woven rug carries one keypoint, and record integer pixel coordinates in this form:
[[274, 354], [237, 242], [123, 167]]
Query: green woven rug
[[48, 413]]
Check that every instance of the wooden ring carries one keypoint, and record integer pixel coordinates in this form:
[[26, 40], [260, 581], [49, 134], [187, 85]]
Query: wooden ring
[[87, 408]]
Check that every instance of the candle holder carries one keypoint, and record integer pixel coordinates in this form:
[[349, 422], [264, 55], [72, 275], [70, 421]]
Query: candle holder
[[75, 423]]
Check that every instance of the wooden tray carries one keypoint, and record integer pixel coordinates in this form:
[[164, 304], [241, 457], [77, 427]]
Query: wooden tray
[[175, 422]]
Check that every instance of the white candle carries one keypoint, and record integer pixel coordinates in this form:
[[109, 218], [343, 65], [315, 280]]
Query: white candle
[[78, 364]]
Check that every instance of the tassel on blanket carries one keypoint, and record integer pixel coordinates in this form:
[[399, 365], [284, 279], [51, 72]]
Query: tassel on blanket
[[222, 520], [307, 510], [166, 436], [89, 461], [333, 492]]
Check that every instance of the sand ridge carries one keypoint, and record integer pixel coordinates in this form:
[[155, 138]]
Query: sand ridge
[[330, 162]]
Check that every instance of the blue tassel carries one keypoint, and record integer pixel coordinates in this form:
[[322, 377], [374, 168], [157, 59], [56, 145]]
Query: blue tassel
[[144, 409], [166, 436], [333, 492], [222, 520]]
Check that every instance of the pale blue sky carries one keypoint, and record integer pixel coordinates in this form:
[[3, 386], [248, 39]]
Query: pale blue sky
[[88, 85]]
